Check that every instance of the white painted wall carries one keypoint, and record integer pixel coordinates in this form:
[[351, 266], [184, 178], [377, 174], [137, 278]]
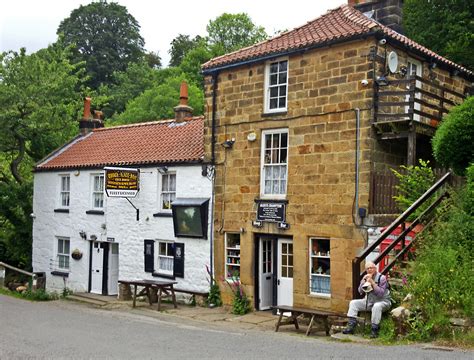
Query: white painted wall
[[119, 222]]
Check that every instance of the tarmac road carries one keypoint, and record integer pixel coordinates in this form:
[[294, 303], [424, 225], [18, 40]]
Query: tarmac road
[[68, 330]]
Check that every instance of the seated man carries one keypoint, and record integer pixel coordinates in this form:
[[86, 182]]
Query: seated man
[[377, 299]]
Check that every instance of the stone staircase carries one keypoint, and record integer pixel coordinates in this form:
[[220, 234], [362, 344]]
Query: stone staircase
[[93, 299]]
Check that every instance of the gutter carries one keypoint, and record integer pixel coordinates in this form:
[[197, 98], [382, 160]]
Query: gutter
[[215, 74]]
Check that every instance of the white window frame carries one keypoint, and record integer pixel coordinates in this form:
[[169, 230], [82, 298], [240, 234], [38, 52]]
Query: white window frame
[[65, 263], [264, 165], [64, 193], [232, 258], [167, 192], [268, 86], [315, 255], [169, 258], [97, 192]]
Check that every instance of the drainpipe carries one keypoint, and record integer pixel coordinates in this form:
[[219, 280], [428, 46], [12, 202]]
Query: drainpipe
[[357, 153], [213, 163], [213, 126]]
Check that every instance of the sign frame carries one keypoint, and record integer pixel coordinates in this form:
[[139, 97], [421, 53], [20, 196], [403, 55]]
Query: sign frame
[[121, 182]]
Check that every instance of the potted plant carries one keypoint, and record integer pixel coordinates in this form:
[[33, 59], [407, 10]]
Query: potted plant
[[76, 254]]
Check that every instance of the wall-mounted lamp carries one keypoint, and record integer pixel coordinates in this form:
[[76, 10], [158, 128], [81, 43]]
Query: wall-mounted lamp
[[403, 70], [432, 65], [228, 143], [93, 237], [163, 170], [455, 72], [83, 234], [382, 81]]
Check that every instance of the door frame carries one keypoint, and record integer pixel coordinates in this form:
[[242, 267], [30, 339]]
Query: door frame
[[275, 241], [105, 266]]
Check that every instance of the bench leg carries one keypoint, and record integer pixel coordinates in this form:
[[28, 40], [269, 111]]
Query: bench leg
[[310, 326], [294, 316], [134, 295], [326, 325], [159, 299], [148, 295], [173, 296], [279, 321]]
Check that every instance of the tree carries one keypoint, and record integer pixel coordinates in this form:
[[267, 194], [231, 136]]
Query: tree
[[158, 103], [444, 26], [181, 45], [230, 32], [38, 100], [452, 143], [191, 63], [105, 36], [153, 59]]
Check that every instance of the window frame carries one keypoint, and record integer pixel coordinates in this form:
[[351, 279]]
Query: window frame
[[95, 192], [267, 86], [65, 255], [167, 192], [280, 131], [64, 192], [169, 244], [316, 254], [231, 253]]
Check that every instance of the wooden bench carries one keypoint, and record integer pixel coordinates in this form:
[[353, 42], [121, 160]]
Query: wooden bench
[[296, 312]]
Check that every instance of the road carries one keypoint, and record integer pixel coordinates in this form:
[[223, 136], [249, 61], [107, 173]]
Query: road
[[68, 330]]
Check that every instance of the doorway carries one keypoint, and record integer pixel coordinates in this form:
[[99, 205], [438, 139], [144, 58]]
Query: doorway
[[104, 265], [275, 272]]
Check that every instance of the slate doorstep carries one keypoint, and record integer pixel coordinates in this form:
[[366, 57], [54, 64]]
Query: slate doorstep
[[351, 338]]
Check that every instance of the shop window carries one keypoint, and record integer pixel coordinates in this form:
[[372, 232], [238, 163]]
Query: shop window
[[320, 266], [232, 256]]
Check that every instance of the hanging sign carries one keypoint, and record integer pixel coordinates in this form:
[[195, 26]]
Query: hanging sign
[[121, 182]]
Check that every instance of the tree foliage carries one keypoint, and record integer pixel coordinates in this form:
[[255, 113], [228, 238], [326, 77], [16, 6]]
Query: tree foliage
[[444, 26], [454, 138], [105, 36], [181, 45], [158, 102], [38, 99], [230, 32]]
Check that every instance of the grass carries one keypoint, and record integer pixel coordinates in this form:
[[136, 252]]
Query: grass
[[37, 295]]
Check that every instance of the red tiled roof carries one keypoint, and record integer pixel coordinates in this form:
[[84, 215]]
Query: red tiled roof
[[345, 22], [154, 142]]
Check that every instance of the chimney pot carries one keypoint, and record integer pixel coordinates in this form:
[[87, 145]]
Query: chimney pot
[[183, 110], [183, 94], [87, 108]]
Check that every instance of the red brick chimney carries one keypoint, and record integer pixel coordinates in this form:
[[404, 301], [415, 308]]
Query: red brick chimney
[[183, 110], [85, 124], [387, 12]]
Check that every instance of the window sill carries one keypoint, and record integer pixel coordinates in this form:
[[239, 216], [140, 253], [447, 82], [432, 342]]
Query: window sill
[[266, 198], [60, 273], [166, 276], [66, 211], [274, 113], [320, 296], [95, 212], [163, 214]]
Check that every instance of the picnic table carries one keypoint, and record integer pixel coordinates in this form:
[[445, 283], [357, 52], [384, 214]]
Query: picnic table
[[295, 312], [164, 289]]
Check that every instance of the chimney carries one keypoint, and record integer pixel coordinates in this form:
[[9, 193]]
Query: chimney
[[85, 124], [98, 121], [183, 110], [386, 12]]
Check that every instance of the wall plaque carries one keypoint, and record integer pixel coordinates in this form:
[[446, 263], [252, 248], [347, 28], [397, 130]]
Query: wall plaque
[[271, 211]]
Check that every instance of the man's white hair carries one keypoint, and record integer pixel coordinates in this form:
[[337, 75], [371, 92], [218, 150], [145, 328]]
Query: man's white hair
[[369, 263]]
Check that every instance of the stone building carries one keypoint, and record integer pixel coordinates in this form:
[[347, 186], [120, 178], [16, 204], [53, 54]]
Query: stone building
[[85, 240], [297, 126]]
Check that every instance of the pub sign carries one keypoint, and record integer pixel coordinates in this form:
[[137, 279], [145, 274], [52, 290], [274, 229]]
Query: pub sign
[[121, 182], [271, 211]]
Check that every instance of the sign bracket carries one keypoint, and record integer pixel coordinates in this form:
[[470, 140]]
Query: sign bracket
[[138, 210]]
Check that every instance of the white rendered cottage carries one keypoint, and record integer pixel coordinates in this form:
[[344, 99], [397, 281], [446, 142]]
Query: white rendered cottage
[[86, 241]]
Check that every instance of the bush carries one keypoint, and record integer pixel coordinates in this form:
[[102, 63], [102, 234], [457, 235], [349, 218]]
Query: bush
[[240, 302], [413, 182], [39, 295], [442, 279], [452, 143]]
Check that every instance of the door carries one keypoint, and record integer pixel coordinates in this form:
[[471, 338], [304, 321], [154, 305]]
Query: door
[[97, 267], [265, 273], [415, 68], [285, 272], [113, 268]]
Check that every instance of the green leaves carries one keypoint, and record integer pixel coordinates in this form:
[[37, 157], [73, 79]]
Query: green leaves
[[445, 27], [452, 143]]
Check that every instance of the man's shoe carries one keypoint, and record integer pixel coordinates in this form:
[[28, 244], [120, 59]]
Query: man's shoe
[[350, 326], [375, 331]]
